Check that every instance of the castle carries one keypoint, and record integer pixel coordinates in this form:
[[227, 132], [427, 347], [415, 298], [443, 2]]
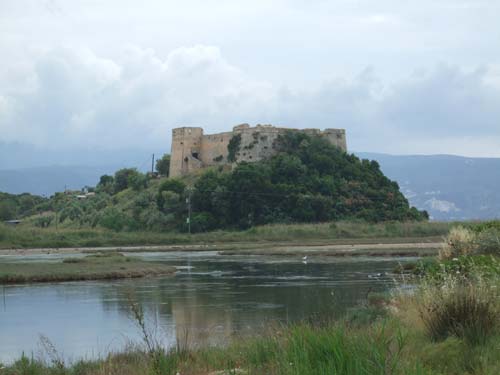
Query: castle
[[192, 150]]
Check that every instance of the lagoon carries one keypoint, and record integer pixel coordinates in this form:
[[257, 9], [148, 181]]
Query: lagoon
[[211, 299]]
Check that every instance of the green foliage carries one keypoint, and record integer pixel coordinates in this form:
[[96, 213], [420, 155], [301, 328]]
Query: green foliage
[[466, 267], [122, 178], [488, 241], [233, 147], [113, 219], [137, 181], [172, 184], [170, 197], [17, 206], [485, 226], [72, 212], [44, 221], [309, 180], [7, 210], [467, 310], [162, 165], [106, 184]]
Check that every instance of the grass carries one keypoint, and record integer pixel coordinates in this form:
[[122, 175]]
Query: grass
[[26, 236], [92, 267], [384, 346]]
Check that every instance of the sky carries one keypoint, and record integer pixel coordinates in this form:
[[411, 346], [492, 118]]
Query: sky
[[402, 77]]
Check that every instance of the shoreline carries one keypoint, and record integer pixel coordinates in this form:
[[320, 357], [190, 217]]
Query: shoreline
[[368, 247], [104, 266]]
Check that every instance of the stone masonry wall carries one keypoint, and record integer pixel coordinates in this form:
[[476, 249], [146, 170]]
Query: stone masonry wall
[[192, 150]]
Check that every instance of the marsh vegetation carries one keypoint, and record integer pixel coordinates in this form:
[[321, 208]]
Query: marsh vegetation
[[99, 266]]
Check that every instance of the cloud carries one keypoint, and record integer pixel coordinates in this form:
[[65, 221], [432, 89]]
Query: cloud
[[444, 102], [74, 97], [441, 205], [79, 97]]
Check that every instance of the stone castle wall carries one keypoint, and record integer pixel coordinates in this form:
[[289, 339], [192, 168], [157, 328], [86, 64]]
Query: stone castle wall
[[192, 150]]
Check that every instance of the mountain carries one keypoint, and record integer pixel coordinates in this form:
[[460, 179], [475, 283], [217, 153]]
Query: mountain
[[448, 187]]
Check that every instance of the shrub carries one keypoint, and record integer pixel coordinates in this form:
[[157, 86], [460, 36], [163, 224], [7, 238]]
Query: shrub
[[172, 184], [460, 241], [44, 221], [467, 310], [115, 220], [488, 242]]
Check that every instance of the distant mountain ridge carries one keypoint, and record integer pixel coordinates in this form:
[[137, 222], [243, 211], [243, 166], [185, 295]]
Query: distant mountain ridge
[[46, 181], [448, 187]]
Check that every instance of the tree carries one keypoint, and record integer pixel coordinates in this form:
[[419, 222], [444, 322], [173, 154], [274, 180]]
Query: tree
[[170, 194], [163, 165], [137, 181], [106, 184], [7, 210], [308, 180], [122, 178]]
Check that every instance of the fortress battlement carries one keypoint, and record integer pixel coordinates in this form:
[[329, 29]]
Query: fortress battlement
[[192, 150]]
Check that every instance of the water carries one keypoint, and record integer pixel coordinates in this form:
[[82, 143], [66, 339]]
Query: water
[[211, 299]]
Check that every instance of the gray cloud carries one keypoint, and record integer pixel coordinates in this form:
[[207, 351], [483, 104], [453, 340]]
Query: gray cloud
[[73, 97]]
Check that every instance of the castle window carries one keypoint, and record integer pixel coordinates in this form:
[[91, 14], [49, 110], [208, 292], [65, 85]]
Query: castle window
[[186, 159], [182, 143], [195, 155], [250, 157]]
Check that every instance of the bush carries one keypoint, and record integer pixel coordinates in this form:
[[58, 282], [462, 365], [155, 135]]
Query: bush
[[138, 181], [460, 241], [467, 310], [114, 220], [488, 242], [172, 184], [162, 165], [487, 225], [44, 221]]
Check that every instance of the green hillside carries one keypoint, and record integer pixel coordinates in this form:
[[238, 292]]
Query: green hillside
[[309, 180]]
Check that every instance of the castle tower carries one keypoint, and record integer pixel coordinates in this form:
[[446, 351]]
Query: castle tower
[[336, 137], [185, 152]]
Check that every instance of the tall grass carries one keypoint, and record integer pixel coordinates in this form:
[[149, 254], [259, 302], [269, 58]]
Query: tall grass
[[25, 236], [459, 307]]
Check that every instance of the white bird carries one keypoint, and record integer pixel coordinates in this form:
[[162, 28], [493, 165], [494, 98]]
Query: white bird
[[304, 257]]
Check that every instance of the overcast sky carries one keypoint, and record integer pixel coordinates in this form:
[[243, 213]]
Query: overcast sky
[[401, 77]]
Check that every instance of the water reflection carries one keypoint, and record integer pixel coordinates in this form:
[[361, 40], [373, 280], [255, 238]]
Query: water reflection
[[211, 299]]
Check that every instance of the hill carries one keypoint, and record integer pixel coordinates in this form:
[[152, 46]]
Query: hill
[[309, 180], [448, 187]]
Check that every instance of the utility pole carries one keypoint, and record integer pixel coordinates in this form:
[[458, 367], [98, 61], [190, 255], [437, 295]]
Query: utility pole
[[188, 201], [152, 164]]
